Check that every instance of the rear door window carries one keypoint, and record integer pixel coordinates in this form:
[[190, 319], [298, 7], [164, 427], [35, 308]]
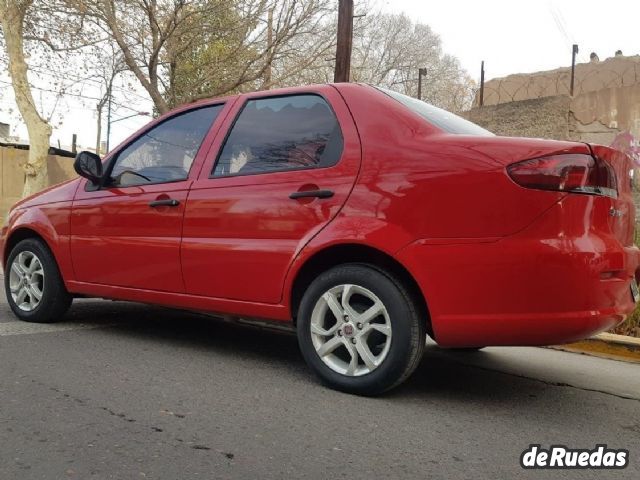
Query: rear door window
[[281, 133]]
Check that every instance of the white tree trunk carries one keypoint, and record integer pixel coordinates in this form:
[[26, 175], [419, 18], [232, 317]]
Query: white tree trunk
[[12, 14]]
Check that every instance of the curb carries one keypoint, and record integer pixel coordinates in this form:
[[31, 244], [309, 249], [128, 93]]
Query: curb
[[606, 345]]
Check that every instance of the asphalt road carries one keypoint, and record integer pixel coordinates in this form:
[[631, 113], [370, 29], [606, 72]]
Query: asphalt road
[[127, 391]]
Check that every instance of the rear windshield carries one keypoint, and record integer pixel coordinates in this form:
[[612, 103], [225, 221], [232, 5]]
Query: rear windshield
[[442, 119]]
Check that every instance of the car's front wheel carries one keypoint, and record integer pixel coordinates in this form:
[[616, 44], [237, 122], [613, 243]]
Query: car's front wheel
[[33, 285], [360, 330]]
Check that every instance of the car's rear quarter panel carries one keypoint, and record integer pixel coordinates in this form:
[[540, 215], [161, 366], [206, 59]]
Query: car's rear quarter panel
[[543, 285], [436, 185], [498, 264]]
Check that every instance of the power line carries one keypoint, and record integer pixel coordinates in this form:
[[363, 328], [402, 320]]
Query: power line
[[77, 95], [561, 24], [78, 78], [90, 80]]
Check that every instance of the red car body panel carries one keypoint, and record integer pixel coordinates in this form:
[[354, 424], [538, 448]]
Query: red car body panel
[[47, 214], [140, 246], [497, 263], [247, 226]]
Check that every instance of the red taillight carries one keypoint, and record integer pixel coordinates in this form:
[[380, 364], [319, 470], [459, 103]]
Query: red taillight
[[566, 173]]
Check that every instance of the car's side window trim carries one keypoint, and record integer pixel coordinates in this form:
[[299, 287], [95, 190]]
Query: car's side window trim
[[112, 161], [283, 170]]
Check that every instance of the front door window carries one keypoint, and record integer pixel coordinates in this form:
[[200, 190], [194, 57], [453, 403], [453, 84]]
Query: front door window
[[164, 153]]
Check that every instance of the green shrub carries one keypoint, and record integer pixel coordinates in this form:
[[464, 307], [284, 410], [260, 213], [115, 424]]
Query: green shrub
[[631, 326]]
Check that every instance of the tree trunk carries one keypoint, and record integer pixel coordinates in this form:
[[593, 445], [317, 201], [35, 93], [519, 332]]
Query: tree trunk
[[12, 17]]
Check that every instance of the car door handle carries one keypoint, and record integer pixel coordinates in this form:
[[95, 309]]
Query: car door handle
[[165, 202], [312, 193]]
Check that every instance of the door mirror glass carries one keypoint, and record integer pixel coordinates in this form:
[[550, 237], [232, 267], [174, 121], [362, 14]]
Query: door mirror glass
[[88, 165]]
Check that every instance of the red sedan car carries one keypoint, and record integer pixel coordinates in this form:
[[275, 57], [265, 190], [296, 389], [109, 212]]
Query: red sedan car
[[365, 217]]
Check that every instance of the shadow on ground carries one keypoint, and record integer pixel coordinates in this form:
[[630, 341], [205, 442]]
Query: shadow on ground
[[440, 375]]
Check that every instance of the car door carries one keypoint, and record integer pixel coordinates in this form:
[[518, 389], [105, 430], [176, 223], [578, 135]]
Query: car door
[[127, 233], [284, 170]]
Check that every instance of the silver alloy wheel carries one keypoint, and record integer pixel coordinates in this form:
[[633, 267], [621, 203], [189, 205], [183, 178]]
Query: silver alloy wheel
[[26, 281], [351, 330]]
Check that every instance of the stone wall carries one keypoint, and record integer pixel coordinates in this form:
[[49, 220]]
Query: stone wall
[[540, 118], [604, 107], [613, 72], [600, 116], [603, 114]]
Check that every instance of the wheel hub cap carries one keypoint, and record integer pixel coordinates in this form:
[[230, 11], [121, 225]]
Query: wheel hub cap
[[351, 330], [26, 281]]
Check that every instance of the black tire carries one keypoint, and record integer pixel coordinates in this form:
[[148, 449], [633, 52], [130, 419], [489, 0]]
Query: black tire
[[408, 329], [55, 299]]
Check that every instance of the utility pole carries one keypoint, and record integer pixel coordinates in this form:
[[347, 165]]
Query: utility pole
[[574, 52], [100, 107], [136, 114], [421, 72], [267, 73], [99, 134], [108, 118], [345, 39], [482, 83]]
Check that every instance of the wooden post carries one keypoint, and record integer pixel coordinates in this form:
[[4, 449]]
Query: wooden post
[[267, 72], [421, 73], [74, 140], [345, 39], [574, 52], [482, 83]]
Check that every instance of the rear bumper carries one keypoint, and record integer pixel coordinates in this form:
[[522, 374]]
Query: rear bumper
[[538, 287]]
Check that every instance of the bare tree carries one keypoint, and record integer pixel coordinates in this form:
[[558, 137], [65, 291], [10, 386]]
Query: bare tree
[[388, 50], [309, 56], [245, 47], [107, 68], [141, 29], [181, 50], [38, 38], [12, 17]]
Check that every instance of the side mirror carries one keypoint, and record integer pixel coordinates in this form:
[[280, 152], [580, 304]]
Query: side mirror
[[88, 165]]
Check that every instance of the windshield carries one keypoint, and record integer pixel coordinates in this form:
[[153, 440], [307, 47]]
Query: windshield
[[442, 119]]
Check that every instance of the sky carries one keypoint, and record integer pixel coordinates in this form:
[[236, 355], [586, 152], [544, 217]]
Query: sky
[[517, 36], [511, 36]]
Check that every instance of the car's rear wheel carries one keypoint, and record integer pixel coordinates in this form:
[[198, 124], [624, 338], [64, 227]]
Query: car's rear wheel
[[33, 285], [360, 330]]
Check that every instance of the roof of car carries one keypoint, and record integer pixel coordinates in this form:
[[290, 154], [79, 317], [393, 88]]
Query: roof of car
[[270, 92]]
